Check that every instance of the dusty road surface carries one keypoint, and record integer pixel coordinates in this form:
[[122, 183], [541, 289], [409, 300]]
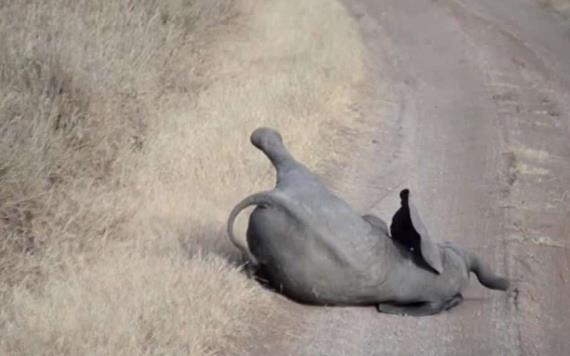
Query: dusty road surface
[[469, 106]]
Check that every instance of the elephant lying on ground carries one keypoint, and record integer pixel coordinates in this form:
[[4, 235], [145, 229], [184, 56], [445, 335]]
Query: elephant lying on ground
[[314, 248]]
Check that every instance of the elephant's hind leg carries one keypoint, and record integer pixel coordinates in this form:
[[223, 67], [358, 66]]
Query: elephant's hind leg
[[419, 309]]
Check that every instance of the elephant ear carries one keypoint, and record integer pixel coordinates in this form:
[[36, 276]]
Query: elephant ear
[[408, 228]]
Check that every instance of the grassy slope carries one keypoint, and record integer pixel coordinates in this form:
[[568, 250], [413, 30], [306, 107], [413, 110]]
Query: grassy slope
[[124, 143]]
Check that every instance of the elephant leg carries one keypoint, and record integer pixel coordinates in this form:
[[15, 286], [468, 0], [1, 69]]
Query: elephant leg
[[453, 302], [377, 223], [420, 309], [423, 309]]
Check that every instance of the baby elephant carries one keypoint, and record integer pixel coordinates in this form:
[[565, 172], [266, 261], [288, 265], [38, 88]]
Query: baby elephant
[[314, 248]]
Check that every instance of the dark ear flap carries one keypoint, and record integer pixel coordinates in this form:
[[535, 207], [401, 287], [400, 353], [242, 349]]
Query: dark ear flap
[[408, 228]]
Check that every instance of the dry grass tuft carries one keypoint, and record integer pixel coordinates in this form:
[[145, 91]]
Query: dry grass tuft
[[124, 144], [111, 308], [79, 85]]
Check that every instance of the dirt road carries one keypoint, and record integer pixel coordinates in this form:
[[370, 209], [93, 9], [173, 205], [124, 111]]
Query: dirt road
[[469, 105]]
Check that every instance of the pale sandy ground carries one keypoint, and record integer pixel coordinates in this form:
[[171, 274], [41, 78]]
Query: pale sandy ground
[[468, 105]]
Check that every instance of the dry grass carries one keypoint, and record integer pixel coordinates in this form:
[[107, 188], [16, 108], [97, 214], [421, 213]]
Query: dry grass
[[124, 144], [134, 304]]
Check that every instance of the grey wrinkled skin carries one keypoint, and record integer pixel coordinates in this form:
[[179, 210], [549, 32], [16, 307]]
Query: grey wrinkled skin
[[314, 248]]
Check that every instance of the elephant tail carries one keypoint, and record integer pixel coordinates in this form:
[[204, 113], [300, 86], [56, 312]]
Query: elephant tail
[[484, 273], [254, 199], [267, 198]]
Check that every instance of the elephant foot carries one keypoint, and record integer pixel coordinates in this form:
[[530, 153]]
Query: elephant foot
[[419, 309]]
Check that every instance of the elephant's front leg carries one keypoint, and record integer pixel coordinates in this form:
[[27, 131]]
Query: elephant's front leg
[[377, 223], [420, 309]]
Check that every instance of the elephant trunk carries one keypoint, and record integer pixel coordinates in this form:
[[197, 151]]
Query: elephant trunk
[[485, 275]]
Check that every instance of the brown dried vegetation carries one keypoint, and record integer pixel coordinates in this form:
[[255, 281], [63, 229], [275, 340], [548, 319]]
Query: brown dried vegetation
[[123, 145]]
